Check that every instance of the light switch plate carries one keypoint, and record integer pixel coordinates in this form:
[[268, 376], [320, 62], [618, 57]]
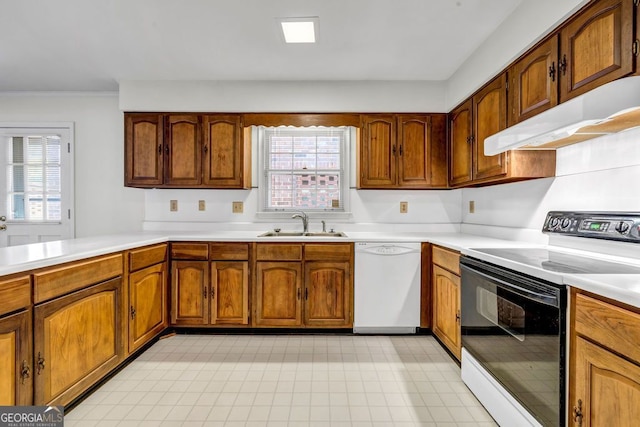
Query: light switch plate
[[201, 205], [404, 207], [173, 205], [472, 206], [237, 207]]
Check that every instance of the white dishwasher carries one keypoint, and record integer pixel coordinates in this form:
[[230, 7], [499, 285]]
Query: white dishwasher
[[386, 288]]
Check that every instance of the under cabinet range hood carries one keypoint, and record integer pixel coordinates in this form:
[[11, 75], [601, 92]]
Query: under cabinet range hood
[[608, 109]]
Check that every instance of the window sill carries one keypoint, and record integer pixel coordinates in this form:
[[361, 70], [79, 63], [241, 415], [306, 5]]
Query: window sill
[[270, 216]]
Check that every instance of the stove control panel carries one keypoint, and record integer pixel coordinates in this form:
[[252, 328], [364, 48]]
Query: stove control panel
[[623, 226]]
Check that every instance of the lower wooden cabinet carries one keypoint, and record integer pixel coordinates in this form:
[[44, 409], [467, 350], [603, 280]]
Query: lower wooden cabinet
[[78, 340], [278, 293], [16, 359], [209, 293], [304, 285], [147, 304], [604, 370], [445, 284]]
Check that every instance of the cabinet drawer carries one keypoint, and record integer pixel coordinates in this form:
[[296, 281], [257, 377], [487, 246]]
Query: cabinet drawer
[[144, 257], [229, 251], [53, 282], [190, 251], [328, 251], [15, 293], [447, 259], [278, 252], [614, 327]]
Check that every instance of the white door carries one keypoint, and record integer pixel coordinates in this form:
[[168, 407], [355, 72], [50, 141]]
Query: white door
[[36, 185]]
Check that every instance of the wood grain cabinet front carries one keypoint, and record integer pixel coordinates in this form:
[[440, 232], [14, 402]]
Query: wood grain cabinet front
[[144, 150], [445, 284], [604, 367], [147, 304], [16, 359], [78, 340], [403, 151]]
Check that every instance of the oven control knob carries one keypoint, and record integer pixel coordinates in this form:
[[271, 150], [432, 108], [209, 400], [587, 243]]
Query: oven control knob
[[622, 227], [553, 222], [566, 222]]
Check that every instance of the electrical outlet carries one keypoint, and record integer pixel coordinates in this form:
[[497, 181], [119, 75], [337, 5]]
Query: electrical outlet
[[237, 207], [173, 205], [472, 206], [201, 205], [404, 207]]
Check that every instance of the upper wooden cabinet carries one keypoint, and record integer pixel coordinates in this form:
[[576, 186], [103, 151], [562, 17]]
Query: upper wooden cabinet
[[596, 47], [183, 161], [533, 82], [186, 151], [144, 150], [477, 118], [402, 151]]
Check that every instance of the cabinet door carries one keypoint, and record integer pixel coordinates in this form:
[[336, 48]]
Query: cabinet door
[[460, 144], [223, 151], [16, 360], [414, 157], [596, 47], [490, 117], [78, 340], [183, 151], [378, 151], [533, 86], [606, 388], [278, 293], [144, 149], [148, 304], [189, 292], [327, 294], [446, 308], [230, 292]]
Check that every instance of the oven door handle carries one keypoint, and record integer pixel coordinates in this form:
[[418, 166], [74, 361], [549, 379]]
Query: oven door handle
[[523, 292]]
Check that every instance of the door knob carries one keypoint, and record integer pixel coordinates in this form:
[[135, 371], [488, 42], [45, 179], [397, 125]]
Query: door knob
[[3, 218], [3, 227]]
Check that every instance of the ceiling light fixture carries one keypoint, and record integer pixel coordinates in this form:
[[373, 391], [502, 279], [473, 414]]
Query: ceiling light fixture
[[299, 30]]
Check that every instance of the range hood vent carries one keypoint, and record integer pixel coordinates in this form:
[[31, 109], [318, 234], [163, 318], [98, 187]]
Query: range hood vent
[[608, 109]]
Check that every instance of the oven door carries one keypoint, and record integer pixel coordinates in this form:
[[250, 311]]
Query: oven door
[[514, 326]]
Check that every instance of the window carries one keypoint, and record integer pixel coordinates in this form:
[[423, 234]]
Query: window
[[33, 178], [304, 168]]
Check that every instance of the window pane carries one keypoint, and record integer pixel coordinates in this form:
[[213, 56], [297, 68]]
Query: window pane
[[34, 178], [304, 144], [281, 161], [35, 207], [281, 194], [53, 178], [329, 161], [16, 178], [34, 149], [53, 207], [304, 161], [328, 144], [17, 150], [281, 144], [53, 149], [16, 208]]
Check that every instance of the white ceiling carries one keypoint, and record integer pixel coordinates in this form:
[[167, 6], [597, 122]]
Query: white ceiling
[[89, 45]]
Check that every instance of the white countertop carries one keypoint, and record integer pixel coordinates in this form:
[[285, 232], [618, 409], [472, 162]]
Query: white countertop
[[621, 287]]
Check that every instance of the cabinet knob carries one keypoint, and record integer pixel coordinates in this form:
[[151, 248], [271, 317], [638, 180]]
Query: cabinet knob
[[160, 149], [562, 65], [552, 71], [133, 312], [205, 149], [41, 364], [577, 413], [298, 294], [25, 372]]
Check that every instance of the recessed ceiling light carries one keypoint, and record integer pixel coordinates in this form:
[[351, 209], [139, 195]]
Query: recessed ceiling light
[[299, 30]]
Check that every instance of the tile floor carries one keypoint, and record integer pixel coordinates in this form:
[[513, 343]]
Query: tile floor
[[285, 380]]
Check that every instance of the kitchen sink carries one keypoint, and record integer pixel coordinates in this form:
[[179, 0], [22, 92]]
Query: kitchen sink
[[274, 233]]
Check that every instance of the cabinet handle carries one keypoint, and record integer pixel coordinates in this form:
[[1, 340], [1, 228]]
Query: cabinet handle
[[166, 149], [394, 150], [562, 65], [205, 149], [401, 150], [458, 316], [298, 294], [133, 313], [306, 294], [205, 291], [25, 372], [552, 71], [577, 413], [41, 364], [160, 149]]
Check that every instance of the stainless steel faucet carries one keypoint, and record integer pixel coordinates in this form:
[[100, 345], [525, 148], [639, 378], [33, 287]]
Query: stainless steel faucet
[[305, 220]]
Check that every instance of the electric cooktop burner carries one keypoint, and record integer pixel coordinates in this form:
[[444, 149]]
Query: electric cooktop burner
[[560, 262]]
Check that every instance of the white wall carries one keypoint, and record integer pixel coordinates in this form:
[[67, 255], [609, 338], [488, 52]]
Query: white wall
[[102, 204], [281, 96], [597, 175]]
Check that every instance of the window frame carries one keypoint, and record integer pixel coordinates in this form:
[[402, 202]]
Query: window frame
[[258, 135]]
